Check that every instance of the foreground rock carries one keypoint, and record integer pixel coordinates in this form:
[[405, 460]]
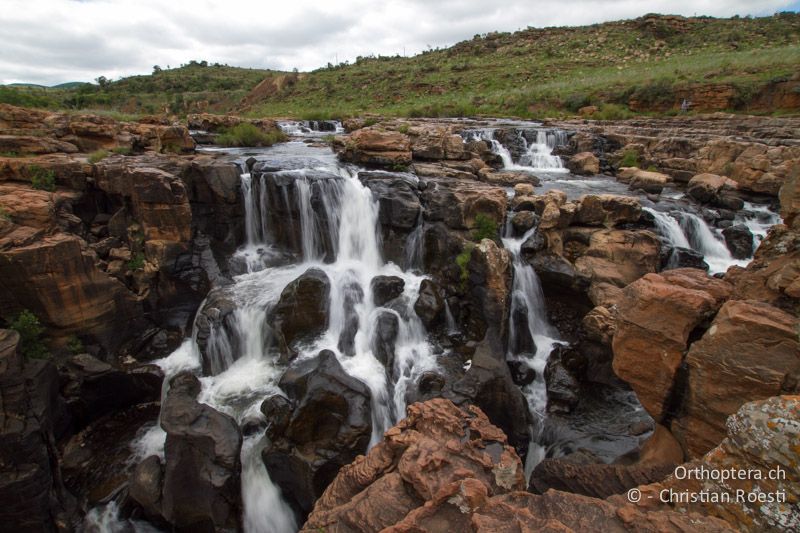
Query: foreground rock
[[443, 468]]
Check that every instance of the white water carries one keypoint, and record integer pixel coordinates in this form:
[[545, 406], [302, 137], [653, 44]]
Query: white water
[[527, 294], [538, 155]]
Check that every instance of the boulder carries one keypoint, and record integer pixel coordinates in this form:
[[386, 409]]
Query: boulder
[[460, 204], [739, 241], [301, 313], [386, 288], [430, 304], [329, 424], [648, 181], [705, 187], [372, 146], [607, 210], [397, 200], [201, 487], [750, 352], [619, 256], [584, 164], [596, 480], [387, 326], [523, 221], [656, 316]]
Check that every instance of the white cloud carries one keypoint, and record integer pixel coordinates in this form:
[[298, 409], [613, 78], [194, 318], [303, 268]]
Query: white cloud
[[53, 41]]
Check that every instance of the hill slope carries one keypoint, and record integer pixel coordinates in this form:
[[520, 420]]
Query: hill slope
[[647, 61]]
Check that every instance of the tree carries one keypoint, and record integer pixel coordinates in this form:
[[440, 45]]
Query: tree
[[102, 81], [156, 69]]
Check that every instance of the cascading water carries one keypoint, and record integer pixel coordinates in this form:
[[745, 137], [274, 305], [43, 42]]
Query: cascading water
[[537, 155], [527, 298]]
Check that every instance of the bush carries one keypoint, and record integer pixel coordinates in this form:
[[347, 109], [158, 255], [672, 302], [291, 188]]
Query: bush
[[41, 179], [246, 134], [630, 158], [612, 112], [30, 332], [574, 102], [403, 128], [97, 156], [658, 93], [136, 262], [75, 345], [462, 260], [486, 228], [122, 150]]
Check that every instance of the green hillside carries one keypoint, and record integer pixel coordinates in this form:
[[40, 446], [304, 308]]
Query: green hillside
[[642, 65]]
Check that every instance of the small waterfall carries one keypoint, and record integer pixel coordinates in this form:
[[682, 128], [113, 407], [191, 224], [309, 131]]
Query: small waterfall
[[264, 508], [527, 298], [538, 155], [413, 251]]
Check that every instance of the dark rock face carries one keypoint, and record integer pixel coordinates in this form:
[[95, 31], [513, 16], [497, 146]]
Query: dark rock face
[[562, 387], [430, 304], [353, 295], [216, 338], [739, 240], [386, 329], [302, 311], [201, 472], [397, 199], [31, 417], [386, 288], [328, 426], [522, 341], [96, 388], [683, 258]]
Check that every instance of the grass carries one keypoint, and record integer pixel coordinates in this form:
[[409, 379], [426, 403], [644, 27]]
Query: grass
[[246, 134], [136, 262], [462, 260], [122, 150], [75, 345], [97, 156], [630, 158], [4, 214], [485, 228], [42, 179], [30, 331]]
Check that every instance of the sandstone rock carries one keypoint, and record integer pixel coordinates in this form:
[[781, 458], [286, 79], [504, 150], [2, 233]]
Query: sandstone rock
[[439, 454], [329, 425], [706, 187], [523, 189], [524, 221], [510, 178], [619, 256], [201, 461], [584, 163], [301, 313], [607, 209], [750, 352], [656, 315], [459, 203], [596, 480], [374, 147], [600, 325]]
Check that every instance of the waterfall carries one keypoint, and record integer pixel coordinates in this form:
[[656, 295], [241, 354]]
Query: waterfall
[[527, 297], [538, 155]]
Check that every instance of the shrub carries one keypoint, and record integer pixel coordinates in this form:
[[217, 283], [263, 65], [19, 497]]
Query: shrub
[[630, 158], [122, 150], [486, 228], [136, 262], [97, 156], [75, 345], [462, 260], [612, 112], [574, 102], [403, 128], [658, 93], [42, 179], [246, 134], [30, 332]]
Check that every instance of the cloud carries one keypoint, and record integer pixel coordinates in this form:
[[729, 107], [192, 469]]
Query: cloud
[[54, 41]]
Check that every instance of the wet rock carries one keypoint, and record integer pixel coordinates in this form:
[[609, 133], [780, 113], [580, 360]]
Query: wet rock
[[301, 313], [216, 332], [430, 304], [521, 373], [739, 241], [374, 147], [705, 188], [523, 221], [563, 389], [386, 288], [521, 342], [201, 461], [397, 200], [683, 258], [619, 256], [535, 243], [607, 210], [584, 164], [460, 203], [554, 270], [330, 424], [661, 310], [277, 410], [145, 487], [750, 352], [93, 388], [596, 480], [386, 328], [353, 295]]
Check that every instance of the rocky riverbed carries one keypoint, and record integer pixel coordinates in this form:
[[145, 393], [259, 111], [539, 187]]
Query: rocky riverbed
[[418, 325]]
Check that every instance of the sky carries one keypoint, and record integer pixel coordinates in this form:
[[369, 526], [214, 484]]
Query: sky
[[55, 41]]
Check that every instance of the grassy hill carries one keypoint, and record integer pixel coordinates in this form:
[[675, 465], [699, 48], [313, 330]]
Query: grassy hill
[[644, 65], [194, 87]]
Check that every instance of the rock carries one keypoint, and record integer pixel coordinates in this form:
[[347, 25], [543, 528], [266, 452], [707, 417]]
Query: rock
[[705, 187], [750, 352], [387, 325], [373, 147], [301, 313], [619, 256], [683, 258], [584, 164], [201, 487], [521, 373], [329, 425], [563, 390], [524, 221], [459, 204], [429, 142], [353, 295], [739, 241], [600, 324], [656, 316], [386, 288], [509, 178], [145, 487], [397, 200], [651, 182], [399, 475], [607, 210], [523, 189], [430, 304], [596, 480], [31, 419], [93, 388]]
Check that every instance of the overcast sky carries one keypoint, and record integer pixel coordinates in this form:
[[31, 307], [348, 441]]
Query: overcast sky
[[54, 41]]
